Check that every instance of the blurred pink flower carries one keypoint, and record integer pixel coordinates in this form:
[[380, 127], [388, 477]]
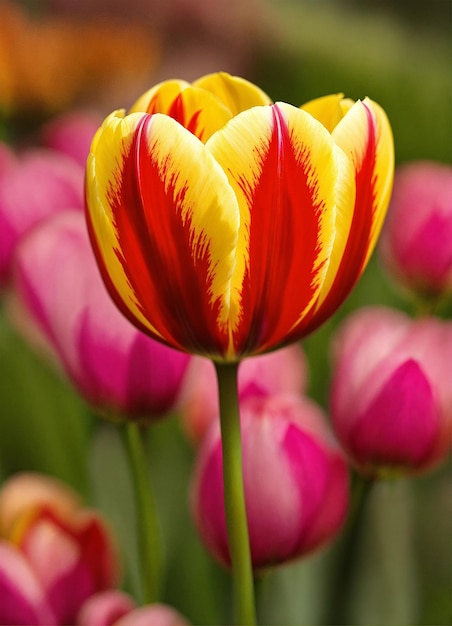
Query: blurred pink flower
[[295, 478], [105, 608], [71, 133], [115, 608], [54, 553], [415, 244], [281, 371], [33, 186], [391, 396], [117, 368]]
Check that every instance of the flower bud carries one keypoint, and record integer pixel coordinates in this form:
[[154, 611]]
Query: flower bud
[[33, 186], [71, 133], [54, 554], [391, 397], [295, 479], [117, 368], [105, 608], [416, 240], [281, 371]]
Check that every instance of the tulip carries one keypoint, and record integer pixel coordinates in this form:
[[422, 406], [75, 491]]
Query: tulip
[[115, 608], [54, 553], [116, 367], [416, 241], [71, 134], [228, 226], [295, 478], [282, 371], [391, 398], [105, 608], [33, 186]]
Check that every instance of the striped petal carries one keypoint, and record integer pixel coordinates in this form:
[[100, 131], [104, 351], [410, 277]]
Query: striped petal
[[364, 134], [164, 223], [198, 110], [290, 180]]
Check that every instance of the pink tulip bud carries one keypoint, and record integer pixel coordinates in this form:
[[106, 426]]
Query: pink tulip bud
[[54, 555], [71, 134], [295, 478], [282, 371], [105, 608], [391, 398], [416, 241], [116, 367], [33, 186]]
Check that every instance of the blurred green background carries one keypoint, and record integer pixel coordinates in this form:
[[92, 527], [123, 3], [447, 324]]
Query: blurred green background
[[399, 54]]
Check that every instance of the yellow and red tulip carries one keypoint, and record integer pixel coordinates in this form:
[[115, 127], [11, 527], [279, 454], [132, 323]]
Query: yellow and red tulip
[[226, 225]]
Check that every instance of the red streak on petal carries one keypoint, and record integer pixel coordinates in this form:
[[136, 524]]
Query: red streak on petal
[[284, 242], [167, 273], [352, 263]]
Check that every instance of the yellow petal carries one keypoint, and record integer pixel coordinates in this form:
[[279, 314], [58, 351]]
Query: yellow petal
[[236, 93]]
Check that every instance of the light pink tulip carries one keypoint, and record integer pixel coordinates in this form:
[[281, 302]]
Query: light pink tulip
[[391, 397], [54, 555], [282, 371], [415, 244], [153, 615], [105, 608], [116, 367], [295, 479], [33, 186], [71, 134]]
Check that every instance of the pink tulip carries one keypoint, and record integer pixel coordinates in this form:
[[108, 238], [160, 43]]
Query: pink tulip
[[115, 608], [71, 134], [116, 367], [105, 608], [33, 186], [391, 398], [54, 554], [22, 597], [282, 371], [295, 478], [416, 241]]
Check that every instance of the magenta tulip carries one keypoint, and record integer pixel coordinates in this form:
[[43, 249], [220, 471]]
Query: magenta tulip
[[116, 367], [33, 186], [416, 241], [71, 134], [295, 478], [391, 398]]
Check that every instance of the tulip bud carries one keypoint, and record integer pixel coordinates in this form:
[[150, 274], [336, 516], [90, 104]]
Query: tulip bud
[[55, 553], [105, 608], [115, 366], [391, 397], [71, 134], [281, 371], [416, 240], [295, 479], [33, 186]]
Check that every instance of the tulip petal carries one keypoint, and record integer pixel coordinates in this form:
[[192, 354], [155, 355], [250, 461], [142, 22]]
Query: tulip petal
[[236, 93], [198, 110], [291, 181], [22, 600], [365, 136], [166, 226]]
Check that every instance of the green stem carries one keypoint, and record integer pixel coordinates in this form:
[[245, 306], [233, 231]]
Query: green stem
[[234, 495], [338, 603], [148, 531]]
